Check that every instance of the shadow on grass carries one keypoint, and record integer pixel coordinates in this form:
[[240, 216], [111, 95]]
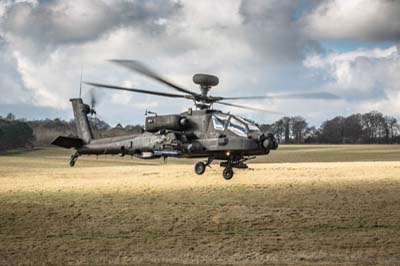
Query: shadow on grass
[[243, 224], [21, 151]]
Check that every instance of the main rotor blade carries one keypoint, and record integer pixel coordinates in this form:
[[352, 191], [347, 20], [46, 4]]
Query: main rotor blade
[[144, 70], [249, 108], [306, 96], [136, 90]]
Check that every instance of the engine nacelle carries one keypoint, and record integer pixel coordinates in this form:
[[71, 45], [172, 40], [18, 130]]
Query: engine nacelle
[[171, 122]]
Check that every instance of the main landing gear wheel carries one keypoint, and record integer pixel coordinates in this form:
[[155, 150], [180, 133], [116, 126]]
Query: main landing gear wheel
[[200, 168], [228, 173], [235, 162]]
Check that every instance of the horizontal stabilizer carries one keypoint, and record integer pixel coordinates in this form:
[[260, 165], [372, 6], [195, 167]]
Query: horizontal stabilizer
[[67, 142]]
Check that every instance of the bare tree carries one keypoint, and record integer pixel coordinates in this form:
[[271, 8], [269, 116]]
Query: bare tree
[[298, 127], [353, 130], [390, 128], [332, 131], [286, 126]]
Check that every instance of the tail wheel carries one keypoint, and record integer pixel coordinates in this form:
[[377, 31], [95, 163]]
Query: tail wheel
[[73, 159], [200, 168], [228, 173]]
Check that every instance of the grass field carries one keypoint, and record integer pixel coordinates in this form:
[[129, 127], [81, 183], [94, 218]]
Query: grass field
[[302, 205]]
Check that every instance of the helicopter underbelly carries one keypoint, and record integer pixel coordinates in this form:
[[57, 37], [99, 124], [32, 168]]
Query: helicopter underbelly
[[224, 148], [232, 144], [224, 155]]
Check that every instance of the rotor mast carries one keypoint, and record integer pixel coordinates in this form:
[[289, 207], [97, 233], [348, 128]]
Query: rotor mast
[[201, 104], [204, 90]]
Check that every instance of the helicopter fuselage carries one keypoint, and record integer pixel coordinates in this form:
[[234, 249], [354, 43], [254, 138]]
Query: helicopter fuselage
[[192, 134], [207, 133], [202, 133]]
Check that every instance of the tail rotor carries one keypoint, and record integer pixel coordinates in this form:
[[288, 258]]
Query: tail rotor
[[93, 101]]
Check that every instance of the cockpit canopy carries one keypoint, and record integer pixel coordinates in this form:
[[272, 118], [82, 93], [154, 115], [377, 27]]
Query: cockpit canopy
[[236, 124]]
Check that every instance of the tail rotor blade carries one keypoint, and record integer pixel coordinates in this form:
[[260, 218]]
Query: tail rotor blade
[[93, 98]]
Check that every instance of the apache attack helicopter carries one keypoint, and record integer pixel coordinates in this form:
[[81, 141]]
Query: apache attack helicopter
[[200, 133]]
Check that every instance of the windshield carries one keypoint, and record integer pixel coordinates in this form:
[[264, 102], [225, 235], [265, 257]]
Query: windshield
[[237, 127], [250, 124], [236, 124], [219, 121]]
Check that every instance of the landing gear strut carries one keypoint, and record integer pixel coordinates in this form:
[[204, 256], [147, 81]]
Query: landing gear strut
[[73, 159], [200, 167], [233, 163]]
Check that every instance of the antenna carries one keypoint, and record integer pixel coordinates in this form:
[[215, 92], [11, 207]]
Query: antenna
[[80, 84]]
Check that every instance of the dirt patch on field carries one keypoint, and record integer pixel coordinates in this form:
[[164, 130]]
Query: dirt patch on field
[[290, 214], [139, 178]]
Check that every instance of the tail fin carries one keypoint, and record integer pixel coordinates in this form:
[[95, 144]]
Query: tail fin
[[81, 111]]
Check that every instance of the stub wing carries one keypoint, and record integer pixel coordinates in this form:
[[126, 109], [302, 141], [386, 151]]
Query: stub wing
[[68, 142]]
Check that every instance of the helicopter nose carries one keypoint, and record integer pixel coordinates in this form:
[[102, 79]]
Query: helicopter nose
[[270, 142]]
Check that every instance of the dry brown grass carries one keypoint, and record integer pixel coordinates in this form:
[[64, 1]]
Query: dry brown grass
[[122, 212]]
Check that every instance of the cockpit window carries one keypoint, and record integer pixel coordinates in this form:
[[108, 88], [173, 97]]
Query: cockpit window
[[219, 121], [237, 127], [250, 124], [236, 124], [253, 127]]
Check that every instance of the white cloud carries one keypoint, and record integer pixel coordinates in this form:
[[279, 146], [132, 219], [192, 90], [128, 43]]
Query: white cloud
[[12, 89], [252, 45], [373, 20], [272, 31], [369, 78], [45, 26]]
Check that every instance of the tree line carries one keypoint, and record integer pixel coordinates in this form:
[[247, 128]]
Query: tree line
[[372, 127], [21, 133], [14, 133]]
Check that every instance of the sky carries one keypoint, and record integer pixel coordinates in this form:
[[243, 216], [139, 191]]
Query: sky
[[255, 47]]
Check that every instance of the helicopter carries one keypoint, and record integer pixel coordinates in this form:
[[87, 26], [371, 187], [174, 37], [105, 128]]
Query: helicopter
[[202, 132]]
